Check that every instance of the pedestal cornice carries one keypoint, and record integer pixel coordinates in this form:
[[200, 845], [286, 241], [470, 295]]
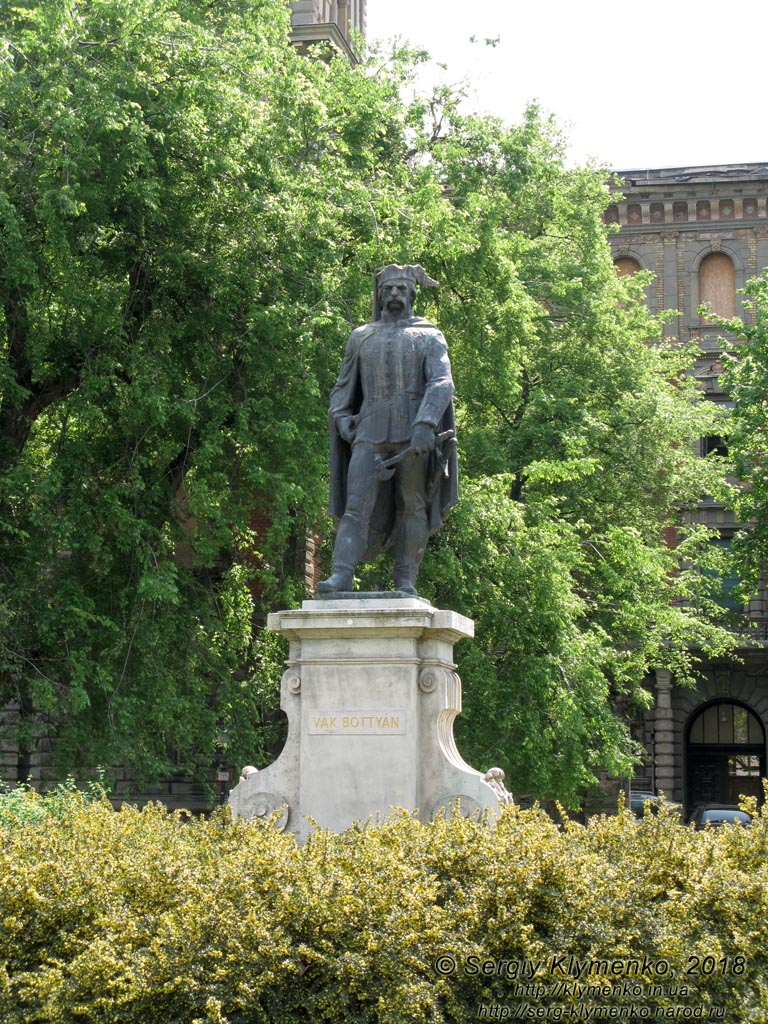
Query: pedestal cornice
[[366, 617]]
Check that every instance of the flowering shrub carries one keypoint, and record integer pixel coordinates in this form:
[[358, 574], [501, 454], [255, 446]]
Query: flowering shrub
[[152, 918]]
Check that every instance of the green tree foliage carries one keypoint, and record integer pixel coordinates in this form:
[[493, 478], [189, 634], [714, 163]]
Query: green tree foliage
[[578, 430], [746, 379], [190, 212], [183, 199], [142, 916]]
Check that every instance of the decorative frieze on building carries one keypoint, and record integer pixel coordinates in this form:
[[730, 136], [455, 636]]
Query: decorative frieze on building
[[690, 195]]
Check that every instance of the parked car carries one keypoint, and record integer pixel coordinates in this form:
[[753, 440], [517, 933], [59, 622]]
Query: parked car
[[717, 815], [639, 800]]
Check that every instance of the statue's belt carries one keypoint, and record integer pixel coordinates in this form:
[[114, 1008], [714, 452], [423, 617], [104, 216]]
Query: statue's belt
[[375, 407]]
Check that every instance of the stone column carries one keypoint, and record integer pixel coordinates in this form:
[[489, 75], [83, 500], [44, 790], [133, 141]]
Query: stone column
[[303, 12], [664, 738], [343, 8], [669, 283]]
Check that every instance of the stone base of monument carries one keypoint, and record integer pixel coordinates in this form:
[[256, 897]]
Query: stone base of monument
[[371, 694]]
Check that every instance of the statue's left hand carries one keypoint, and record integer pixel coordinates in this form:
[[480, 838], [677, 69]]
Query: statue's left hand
[[423, 438]]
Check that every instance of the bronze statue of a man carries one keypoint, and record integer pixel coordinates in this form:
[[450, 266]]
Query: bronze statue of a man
[[393, 452]]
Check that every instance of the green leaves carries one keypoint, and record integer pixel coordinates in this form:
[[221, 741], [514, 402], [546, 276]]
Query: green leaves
[[578, 434], [127, 426], [190, 213], [746, 434], [138, 915]]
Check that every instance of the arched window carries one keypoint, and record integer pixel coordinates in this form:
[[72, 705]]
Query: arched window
[[726, 724], [626, 266], [717, 284]]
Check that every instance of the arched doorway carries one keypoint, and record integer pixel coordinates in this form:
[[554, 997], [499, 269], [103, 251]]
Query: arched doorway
[[725, 754]]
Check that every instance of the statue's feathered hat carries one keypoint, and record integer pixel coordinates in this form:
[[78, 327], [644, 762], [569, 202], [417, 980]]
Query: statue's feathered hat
[[412, 273]]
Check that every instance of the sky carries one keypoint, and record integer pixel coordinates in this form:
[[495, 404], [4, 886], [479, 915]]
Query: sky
[[658, 84]]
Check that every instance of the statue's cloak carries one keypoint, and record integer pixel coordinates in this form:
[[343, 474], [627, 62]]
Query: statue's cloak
[[442, 482]]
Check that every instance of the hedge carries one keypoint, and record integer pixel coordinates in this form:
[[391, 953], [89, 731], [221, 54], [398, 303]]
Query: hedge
[[148, 917]]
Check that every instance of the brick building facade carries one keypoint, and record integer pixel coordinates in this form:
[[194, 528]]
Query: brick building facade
[[703, 233]]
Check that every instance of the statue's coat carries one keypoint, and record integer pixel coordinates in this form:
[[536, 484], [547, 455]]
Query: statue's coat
[[432, 401]]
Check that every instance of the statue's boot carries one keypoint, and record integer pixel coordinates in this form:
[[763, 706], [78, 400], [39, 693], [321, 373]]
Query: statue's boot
[[347, 552], [340, 579], [406, 587], [413, 541]]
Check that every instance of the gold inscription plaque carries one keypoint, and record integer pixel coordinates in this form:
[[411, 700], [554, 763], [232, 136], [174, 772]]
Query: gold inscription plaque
[[350, 722]]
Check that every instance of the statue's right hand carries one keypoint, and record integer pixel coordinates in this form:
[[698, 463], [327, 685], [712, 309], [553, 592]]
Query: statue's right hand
[[346, 427], [423, 438]]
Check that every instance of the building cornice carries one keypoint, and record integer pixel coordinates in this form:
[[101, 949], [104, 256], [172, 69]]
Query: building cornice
[[323, 32], [705, 175]]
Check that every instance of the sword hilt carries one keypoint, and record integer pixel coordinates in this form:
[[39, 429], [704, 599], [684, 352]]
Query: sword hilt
[[385, 468]]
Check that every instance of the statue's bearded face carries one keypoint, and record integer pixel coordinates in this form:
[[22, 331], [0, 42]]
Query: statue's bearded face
[[396, 296]]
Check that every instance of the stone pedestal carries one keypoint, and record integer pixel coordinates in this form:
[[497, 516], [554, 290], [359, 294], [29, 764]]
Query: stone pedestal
[[371, 693]]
